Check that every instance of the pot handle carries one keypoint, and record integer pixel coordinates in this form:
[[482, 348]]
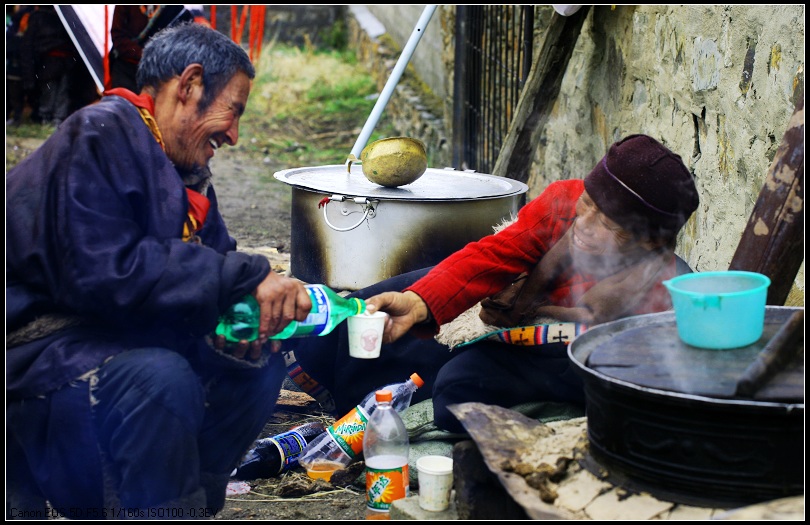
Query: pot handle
[[369, 207]]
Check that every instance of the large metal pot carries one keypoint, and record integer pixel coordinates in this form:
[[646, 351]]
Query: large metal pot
[[349, 233], [665, 414]]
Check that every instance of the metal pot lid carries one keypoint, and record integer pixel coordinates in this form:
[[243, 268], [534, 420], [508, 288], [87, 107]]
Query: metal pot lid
[[434, 184], [663, 366]]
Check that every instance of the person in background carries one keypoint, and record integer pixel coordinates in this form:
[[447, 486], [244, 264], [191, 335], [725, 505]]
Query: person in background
[[20, 92], [133, 26], [118, 266], [48, 60], [585, 251]]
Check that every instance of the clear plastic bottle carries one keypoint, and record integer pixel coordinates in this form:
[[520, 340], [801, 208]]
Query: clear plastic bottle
[[343, 441], [385, 449], [271, 456], [241, 321]]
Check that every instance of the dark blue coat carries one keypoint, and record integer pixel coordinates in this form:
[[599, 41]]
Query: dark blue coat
[[94, 219]]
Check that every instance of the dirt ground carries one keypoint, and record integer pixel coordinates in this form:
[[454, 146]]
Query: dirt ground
[[255, 206]]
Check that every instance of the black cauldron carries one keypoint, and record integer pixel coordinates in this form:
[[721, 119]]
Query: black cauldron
[[664, 416]]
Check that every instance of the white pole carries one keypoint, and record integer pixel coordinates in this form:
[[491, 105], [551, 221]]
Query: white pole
[[385, 95]]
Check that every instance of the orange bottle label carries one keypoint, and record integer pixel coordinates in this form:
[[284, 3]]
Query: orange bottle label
[[386, 485], [349, 430]]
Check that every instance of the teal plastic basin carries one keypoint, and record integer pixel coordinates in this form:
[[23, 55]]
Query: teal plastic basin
[[719, 310]]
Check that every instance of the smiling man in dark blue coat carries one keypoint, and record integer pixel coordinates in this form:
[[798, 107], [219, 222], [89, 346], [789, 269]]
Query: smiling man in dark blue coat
[[118, 265]]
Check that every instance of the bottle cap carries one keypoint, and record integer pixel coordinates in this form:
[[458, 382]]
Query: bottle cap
[[359, 305], [417, 380], [383, 396]]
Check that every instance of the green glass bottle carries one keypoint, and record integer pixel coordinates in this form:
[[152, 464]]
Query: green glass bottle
[[241, 321], [328, 310]]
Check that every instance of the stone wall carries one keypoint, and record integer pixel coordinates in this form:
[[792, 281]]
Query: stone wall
[[716, 83], [427, 61]]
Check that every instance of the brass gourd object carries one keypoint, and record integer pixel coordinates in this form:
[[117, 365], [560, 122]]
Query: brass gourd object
[[392, 162]]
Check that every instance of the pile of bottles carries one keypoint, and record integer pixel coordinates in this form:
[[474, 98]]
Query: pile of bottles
[[322, 450], [342, 442], [373, 428]]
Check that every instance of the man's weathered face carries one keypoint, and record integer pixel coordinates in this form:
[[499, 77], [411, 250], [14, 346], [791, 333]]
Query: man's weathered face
[[600, 246], [200, 133], [595, 233]]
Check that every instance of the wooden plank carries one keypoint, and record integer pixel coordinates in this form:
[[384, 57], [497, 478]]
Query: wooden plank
[[538, 96], [773, 241]]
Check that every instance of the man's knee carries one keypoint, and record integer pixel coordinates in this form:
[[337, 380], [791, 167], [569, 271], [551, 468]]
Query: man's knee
[[448, 390], [444, 419], [138, 379]]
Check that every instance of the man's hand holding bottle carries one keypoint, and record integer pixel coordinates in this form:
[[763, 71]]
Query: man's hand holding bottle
[[281, 300]]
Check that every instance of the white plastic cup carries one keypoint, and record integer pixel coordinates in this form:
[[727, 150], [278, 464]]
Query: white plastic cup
[[435, 482], [365, 334]]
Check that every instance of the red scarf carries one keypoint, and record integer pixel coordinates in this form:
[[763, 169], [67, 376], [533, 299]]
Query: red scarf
[[198, 204]]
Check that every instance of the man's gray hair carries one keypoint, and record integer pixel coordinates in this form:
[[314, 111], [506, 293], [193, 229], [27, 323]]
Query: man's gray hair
[[170, 51]]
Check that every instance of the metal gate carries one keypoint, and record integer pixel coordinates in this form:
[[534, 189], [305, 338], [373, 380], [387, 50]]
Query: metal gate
[[492, 61]]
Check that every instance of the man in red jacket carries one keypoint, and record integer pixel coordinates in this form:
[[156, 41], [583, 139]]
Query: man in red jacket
[[593, 251]]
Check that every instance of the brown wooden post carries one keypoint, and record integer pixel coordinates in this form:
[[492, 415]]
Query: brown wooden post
[[538, 96], [773, 241]]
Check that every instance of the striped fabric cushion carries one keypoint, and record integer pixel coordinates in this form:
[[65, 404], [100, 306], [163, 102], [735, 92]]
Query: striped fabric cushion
[[533, 335]]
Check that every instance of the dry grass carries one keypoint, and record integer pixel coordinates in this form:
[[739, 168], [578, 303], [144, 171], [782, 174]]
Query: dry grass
[[307, 107]]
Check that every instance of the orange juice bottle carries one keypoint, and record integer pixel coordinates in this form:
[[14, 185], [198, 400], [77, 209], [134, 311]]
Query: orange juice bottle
[[385, 446], [343, 441]]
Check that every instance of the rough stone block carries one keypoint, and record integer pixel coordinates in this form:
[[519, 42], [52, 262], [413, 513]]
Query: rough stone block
[[479, 494]]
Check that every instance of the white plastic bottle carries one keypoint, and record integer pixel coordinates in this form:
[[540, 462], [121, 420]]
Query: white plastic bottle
[[343, 441], [385, 449]]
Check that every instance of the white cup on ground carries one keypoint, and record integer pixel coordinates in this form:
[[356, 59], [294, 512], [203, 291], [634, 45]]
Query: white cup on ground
[[365, 334], [435, 482]]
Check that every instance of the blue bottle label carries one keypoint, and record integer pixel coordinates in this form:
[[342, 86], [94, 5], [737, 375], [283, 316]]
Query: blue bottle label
[[292, 444], [318, 318]]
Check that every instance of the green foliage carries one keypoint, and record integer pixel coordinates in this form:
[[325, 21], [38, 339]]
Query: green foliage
[[349, 96], [308, 107], [335, 36], [30, 130], [22, 139]]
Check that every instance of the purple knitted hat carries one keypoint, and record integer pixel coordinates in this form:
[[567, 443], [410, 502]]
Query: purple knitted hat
[[644, 187]]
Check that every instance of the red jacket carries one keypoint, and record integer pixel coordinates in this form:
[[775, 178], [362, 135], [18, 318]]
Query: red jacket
[[485, 267]]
